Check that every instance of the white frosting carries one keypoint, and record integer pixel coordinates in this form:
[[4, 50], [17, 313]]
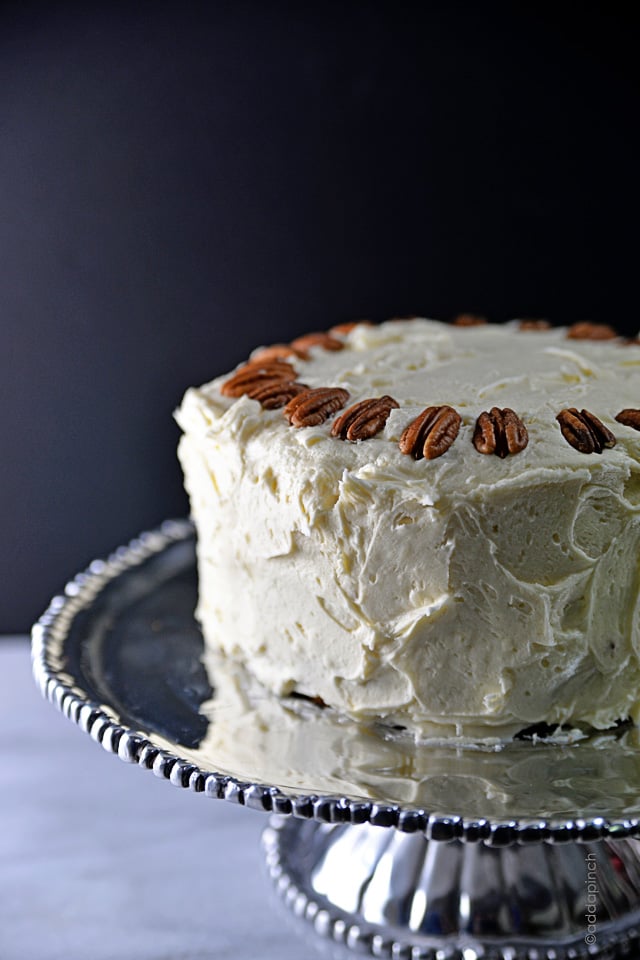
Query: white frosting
[[472, 592]]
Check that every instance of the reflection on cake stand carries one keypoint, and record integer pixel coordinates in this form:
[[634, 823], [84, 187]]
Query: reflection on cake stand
[[397, 850]]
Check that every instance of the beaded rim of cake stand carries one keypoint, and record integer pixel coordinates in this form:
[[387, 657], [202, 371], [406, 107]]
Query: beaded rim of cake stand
[[48, 636]]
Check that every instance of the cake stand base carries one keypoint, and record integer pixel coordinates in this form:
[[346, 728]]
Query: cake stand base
[[390, 894]]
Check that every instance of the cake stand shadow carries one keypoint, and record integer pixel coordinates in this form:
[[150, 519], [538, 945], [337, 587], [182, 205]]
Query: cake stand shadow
[[391, 848]]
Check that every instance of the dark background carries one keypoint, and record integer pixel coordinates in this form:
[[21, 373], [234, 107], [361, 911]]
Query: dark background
[[179, 183]]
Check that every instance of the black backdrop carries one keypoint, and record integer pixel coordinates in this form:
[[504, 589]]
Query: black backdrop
[[179, 183]]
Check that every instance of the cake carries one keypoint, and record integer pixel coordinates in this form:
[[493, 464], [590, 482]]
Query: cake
[[260, 738], [435, 526]]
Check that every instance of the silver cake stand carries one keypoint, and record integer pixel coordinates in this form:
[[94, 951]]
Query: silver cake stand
[[395, 849]]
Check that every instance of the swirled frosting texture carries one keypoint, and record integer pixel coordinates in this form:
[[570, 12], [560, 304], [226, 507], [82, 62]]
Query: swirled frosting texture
[[474, 593]]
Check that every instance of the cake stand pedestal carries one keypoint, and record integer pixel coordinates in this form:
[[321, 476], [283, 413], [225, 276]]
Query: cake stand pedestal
[[391, 894], [362, 853]]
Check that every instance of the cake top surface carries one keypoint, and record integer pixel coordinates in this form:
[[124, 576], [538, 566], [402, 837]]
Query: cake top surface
[[420, 363]]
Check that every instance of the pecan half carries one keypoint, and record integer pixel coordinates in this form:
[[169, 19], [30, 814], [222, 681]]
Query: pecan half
[[272, 394], [277, 351], [431, 433], [530, 325], [314, 406], [469, 320], [363, 420], [583, 431], [591, 331], [302, 344], [630, 417], [252, 374], [501, 432], [342, 329]]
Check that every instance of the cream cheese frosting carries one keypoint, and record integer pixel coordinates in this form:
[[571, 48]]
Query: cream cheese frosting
[[475, 593]]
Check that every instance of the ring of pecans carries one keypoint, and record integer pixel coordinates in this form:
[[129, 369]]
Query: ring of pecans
[[330, 340], [270, 378]]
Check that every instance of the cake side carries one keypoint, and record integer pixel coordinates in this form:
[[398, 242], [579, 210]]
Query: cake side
[[478, 593]]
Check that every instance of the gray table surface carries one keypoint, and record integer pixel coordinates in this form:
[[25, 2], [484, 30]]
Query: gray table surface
[[100, 860]]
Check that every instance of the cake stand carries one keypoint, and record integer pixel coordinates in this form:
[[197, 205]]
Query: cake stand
[[398, 850]]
